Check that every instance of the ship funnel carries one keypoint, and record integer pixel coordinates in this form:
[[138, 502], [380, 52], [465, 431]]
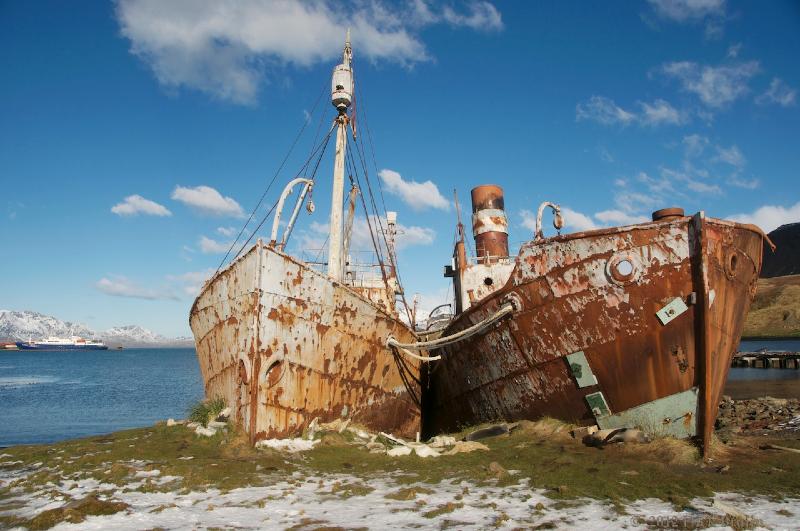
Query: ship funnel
[[489, 223]]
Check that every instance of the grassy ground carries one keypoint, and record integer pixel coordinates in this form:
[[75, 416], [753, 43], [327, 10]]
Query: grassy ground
[[543, 452], [775, 311]]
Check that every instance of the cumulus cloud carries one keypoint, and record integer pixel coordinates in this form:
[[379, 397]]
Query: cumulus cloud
[[207, 201], [120, 286], [361, 240], [712, 12], [770, 217], [778, 92], [618, 217], [716, 86], [687, 10], [227, 231], [694, 145], [136, 204], [731, 156], [418, 196], [660, 112], [481, 16], [209, 246], [573, 220], [191, 282], [227, 48], [605, 111]]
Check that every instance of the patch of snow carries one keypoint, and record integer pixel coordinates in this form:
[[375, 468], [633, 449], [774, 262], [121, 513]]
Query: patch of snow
[[288, 445]]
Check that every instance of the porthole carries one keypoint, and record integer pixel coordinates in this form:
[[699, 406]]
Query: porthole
[[488, 281], [623, 268]]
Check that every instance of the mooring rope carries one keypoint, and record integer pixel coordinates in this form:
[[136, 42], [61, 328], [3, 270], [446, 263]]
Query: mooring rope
[[504, 310]]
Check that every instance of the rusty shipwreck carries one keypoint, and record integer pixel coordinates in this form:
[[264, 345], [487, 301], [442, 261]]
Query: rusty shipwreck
[[619, 327], [284, 342]]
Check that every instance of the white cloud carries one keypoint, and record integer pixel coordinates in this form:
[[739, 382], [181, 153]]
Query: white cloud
[[120, 286], [481, 16], [226, 48], [731, 156], [734, 50], [716, 86], [209, 246], [361, 240], [207, 200], [606, 155], [688, 10], [691, 178], [630, 201], [778, 92], [136, 204], [416, 195], [618, 217], [770, 217], [574, 220], [747, 184], [660, 112], [603, 110], [694, 144], [227, 231], [191, 282]]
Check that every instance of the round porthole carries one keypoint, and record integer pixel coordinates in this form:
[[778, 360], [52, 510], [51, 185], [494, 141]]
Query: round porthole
[[488, 281], [731, 265], [623, 268]]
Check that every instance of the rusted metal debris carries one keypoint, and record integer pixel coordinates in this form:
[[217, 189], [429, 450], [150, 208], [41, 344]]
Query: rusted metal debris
[[631, 325]]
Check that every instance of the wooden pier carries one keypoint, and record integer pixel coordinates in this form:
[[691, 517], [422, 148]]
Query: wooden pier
[[767, 359]]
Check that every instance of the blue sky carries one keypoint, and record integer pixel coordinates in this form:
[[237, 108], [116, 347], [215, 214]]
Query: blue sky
[[135, 135]]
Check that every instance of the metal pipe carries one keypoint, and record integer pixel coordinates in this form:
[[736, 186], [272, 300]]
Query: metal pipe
[[307, 188], [286, 191], [558, 222]]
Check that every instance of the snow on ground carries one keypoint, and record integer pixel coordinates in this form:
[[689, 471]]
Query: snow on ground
[[348, 501]]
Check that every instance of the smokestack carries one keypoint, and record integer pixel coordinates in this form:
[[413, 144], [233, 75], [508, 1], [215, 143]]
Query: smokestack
[[489, 223]]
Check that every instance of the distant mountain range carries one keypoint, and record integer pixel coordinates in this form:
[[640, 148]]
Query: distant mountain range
[[20, 326]]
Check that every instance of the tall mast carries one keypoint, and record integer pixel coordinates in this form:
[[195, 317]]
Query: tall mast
[[341, 97]]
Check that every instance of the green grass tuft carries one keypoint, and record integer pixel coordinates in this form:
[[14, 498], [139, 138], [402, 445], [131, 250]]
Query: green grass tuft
[[207, 410]]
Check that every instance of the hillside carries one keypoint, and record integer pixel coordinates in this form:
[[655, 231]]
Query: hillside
[[775, 311], [786, 258]]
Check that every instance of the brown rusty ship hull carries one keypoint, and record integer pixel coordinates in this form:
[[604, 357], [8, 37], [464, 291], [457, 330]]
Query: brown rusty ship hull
[[586, 343], [283, 344]]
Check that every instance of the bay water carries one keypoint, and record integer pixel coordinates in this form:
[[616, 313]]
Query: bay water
[[52, 396]]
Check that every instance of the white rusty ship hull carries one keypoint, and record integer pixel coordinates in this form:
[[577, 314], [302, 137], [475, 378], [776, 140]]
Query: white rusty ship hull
[[283, 344]]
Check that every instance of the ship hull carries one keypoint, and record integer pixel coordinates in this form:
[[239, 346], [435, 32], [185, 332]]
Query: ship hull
[[584, 332], [283, 344], [29, 346]]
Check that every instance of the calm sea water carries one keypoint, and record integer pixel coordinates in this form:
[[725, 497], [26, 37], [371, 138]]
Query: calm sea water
[[51, 396]]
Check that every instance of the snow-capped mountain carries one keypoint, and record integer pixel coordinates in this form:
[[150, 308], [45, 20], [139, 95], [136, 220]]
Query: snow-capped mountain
[[20, 326]]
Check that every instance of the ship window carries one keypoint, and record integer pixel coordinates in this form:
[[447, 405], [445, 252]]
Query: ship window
[[488, 281]]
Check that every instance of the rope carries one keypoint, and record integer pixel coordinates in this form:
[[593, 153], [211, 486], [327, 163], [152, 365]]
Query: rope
[[506, 309]]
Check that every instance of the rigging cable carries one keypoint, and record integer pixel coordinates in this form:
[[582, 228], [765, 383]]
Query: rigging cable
[[271, 182], [323, 145]]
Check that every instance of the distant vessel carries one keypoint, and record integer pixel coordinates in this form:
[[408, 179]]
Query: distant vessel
[[58, 343]]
